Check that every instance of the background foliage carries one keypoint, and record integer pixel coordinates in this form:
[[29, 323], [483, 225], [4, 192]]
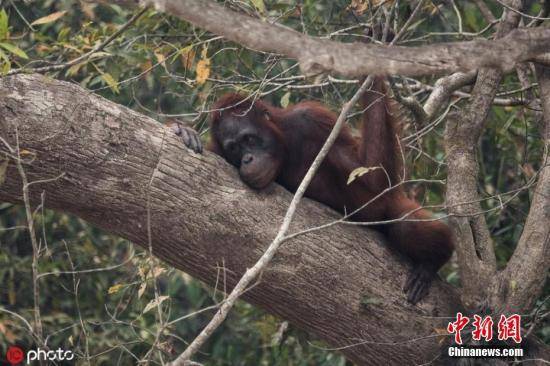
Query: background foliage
[[167, 69]]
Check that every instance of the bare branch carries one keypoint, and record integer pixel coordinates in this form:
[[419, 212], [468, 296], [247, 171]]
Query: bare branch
[[444, 88], [38, 330]]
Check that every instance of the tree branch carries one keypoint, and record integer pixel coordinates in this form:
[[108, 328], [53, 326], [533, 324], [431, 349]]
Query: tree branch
[[202, 215], [356, 59], [485, 11], [531, 259], [444, 88], [475, 252]]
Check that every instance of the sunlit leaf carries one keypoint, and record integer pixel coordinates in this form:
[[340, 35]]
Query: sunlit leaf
[[356, 173], [4, 57], [25, 152], [3, 24], [259, 4], [113, 84], [158, 271], [99, 55], [114, 289], [285, 100], [154, 303], [5, 64], [359, 6], [5, 68], [142, 289], [63, 34], [49, 18], [160, 57], [432, 8], [143, 271], [14, 49], [73, 70]]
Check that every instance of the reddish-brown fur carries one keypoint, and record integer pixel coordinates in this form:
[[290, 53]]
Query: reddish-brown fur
[[302, 129]]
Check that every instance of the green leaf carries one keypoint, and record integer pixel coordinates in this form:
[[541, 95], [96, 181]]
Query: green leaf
[[259, 4], [285, 100], [280, 7], [114, 289], [359, 172], [113, 84], [14, 49], [3, 24], [73, 70], [5, 68], [5, 65], [63, 34], [4, 57]]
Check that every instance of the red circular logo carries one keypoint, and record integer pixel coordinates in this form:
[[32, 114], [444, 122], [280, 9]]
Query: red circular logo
[[15, 355]]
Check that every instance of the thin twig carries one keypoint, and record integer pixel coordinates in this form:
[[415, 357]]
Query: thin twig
[[34, 241]]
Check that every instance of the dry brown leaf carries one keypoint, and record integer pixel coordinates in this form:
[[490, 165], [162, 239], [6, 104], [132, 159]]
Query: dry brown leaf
[[49, 18], [203, 68], [360, 6], [160, 57]]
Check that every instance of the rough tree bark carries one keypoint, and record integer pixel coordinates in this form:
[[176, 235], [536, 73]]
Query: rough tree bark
[[203, 216]]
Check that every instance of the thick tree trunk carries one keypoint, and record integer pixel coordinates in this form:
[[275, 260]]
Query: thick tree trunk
[[114, 161]]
